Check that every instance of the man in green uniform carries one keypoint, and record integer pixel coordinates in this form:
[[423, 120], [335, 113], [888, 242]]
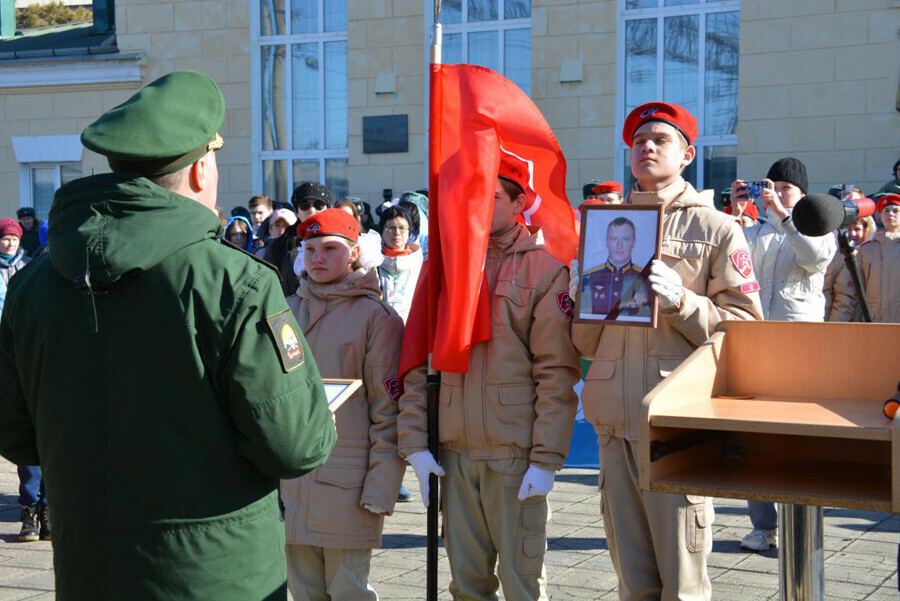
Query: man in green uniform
[[157, 375], [618, 286]]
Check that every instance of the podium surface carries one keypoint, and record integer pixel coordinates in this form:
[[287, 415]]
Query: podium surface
[[779, 411]]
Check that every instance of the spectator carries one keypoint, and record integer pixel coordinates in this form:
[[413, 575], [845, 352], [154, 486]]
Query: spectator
[[417, 205], [365, 214], [838, 281], [240, 212], [347, 204], [30, 228], [260, 207], [879, 266], [239, 232], [34, 514], [280, 221], [402, 261], [308, 199], [12, 256], [600, 192], [745, 209], [334, 515], [791, 271], [893, 186]]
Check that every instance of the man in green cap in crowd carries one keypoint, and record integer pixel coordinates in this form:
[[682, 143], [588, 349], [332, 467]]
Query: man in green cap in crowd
[[157, 375]]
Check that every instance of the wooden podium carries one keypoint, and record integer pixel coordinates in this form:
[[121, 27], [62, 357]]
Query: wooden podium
[[779, 411]]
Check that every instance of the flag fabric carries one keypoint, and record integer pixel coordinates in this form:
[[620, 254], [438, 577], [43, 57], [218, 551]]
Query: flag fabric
[[475, 115]]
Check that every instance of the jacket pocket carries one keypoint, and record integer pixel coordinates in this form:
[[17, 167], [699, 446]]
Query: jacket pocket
[[509, 414], [333, 503], [451, 423], [511, 300], [659, 369], [603, 394]]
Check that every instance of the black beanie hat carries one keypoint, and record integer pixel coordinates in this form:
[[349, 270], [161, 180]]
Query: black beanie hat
[[313, 190], [789, 170]]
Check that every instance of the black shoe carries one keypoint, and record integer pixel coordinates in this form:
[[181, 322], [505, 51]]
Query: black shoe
[[30, 526], [44, 519], [405, 496]]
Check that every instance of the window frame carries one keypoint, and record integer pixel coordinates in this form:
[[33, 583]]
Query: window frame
[[40, 152], [257, 43], [701, 8]]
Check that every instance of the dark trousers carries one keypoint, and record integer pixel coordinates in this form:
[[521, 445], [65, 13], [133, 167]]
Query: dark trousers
[[31, 485]]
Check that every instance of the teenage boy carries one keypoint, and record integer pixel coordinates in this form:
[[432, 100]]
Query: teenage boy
[[659, 543], [506, 424]]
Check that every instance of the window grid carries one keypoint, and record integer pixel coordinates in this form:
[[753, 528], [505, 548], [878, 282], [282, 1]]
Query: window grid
[[290, 155], [701, 8]]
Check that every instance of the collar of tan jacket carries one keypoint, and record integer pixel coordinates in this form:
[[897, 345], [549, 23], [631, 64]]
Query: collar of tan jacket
[[679, 194], [518, 238], [322, 297]]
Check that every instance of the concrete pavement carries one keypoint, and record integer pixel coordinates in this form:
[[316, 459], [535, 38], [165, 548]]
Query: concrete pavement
[[860, 551]]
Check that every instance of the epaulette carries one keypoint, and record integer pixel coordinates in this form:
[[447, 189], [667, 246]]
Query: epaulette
[[233, 246]]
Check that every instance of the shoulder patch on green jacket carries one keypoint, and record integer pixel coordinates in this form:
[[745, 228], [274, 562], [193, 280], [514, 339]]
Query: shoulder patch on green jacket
[[290, 351]]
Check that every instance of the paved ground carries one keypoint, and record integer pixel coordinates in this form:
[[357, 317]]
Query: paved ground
[[860, 551]]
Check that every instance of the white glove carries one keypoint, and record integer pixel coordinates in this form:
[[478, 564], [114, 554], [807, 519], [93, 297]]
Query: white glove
[[537, 482], [374, 508], [666, 283], [423, 465], [573, 279]]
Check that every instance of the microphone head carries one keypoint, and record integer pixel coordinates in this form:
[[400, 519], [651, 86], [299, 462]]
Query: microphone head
[[818, 214]]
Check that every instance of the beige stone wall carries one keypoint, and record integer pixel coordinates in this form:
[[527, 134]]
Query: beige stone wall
[[581, 114], [819, 81], [211, 36], [386, 36]]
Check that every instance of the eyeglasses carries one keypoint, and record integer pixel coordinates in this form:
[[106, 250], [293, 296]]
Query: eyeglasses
[[304, 205], [401, 229]]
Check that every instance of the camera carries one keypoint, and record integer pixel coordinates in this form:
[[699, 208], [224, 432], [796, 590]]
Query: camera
[[756, 188]]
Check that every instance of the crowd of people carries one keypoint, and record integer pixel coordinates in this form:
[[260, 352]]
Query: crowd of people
[[190, 365]]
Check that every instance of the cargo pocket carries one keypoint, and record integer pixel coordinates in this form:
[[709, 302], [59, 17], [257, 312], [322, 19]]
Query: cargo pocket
[[334, 502], [532, 536], [699, 515]]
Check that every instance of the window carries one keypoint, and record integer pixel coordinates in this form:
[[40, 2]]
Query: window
[[491, 33], [45, 164], [299, 74], [686, 52]]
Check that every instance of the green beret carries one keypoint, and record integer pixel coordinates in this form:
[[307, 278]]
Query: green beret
[[168, 125]]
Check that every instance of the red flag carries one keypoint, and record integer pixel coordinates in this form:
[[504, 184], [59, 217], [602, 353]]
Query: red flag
[[476, 114]]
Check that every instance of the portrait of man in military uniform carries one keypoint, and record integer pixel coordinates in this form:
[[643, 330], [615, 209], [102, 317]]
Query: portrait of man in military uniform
[[617, 288]]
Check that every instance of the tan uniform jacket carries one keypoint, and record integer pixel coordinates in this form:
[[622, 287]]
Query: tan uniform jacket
[[707, 248], [517, 399], [352, 334], [879, 266]]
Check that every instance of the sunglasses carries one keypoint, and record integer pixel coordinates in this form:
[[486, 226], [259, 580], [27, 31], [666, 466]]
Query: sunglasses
[[304, 205]]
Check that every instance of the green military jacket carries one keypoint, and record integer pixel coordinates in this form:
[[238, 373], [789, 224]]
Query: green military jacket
[[163, 402]]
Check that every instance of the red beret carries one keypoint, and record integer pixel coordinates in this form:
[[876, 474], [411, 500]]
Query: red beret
[[887, 199], [330, 222], [750, 210], [674, 115], [607, 187], [514, 170], [10, 227]]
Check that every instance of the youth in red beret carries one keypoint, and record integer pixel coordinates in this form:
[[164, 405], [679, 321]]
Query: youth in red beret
[[329, 245]]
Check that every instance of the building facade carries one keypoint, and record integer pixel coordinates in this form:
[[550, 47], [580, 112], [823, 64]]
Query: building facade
[[336, 90]]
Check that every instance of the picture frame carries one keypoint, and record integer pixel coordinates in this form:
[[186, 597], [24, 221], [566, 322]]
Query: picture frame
[[614, 284], [337, 391]]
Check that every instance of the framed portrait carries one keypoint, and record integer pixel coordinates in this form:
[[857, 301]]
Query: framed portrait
[[617, 244], [337, 391]]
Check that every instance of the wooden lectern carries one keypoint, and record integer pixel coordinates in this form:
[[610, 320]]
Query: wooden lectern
[[779, 411]]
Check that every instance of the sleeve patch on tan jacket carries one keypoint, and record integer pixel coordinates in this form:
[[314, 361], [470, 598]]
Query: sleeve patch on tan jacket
[[750, 287], [392, 386], [565, 303], [741, 261]]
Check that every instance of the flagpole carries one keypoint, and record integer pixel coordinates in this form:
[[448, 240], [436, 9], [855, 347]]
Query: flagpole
[[433, 382]]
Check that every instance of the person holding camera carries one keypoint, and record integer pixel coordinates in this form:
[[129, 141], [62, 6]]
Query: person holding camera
[[791, 270]]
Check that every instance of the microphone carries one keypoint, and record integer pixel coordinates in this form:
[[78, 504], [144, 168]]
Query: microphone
[[820, 214]]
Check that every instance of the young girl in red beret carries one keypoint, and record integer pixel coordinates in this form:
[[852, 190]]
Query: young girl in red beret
[[334, 515]]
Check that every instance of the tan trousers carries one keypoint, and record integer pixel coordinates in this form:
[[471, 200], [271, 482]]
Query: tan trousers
[[324, 574], [485, 525], [659, 543]]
